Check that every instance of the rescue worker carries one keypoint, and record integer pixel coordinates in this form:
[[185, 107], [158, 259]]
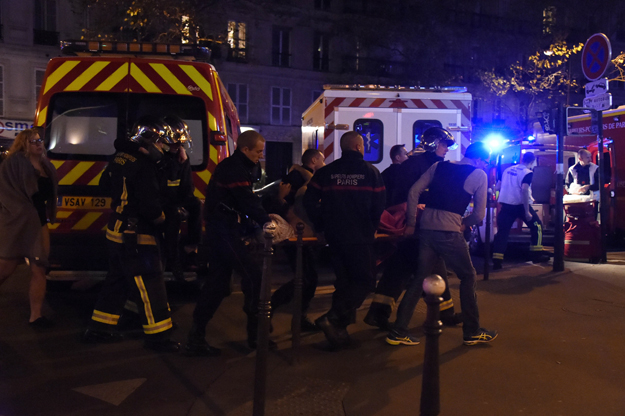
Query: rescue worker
[[403, 263], [451, 186], [230, 201], [393, 174], [583, 178], [515, 198], [132, 233], [344, 200], [179, 203], [297, 180]]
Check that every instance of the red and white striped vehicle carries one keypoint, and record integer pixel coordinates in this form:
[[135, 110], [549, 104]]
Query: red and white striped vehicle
[[385, 116]]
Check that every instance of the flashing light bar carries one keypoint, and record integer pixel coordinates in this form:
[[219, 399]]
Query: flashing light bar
[[356, 87], [74, 47]]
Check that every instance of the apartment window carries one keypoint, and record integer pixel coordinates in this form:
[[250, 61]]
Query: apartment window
[[45, 23], [322, 4], [236, 40], [280, 105], [549, 20], [239, 95], [1, 90], [321, 60], [281, 47], [39, 73]]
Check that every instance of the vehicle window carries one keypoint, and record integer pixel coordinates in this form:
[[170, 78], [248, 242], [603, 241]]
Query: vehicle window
[[419, 127], [372, 131], [82, 125], [85, 125]]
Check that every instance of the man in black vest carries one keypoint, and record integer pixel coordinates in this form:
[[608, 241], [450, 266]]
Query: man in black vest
[[345, 200], [451, 186]]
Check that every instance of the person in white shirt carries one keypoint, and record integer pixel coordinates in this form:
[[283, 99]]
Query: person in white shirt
[[515, 197]]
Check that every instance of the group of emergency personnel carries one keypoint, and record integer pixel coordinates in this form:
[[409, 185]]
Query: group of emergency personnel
[[151, 190]]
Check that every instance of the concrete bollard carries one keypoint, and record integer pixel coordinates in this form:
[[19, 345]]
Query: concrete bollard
[[296, 323], [433, 286], [264, 322]]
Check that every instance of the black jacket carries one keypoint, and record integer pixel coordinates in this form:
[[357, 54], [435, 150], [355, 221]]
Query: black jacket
[[175, 179], [410, 172], [229, 195], [131, 179], [345, 200]]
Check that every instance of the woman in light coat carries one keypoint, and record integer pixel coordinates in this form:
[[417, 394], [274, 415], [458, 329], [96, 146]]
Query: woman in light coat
[[28, 192]]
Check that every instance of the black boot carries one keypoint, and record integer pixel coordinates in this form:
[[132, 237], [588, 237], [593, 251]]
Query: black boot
[[95, 336], [197, 345], [161, 345], [450, 318], [336, 335]]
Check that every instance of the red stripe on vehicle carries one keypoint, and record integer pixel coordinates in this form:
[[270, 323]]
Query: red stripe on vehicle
[[439, 104], [66, 167], [91, 173], [357, 102], [419, 103], [378, 102], [334, 103], [329, 149]]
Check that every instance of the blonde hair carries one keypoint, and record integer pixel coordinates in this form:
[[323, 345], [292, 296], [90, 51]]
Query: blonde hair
[[22, 141]]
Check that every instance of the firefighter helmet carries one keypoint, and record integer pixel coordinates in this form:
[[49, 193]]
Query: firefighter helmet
[[149, 130], [434, 135], [179, 130]]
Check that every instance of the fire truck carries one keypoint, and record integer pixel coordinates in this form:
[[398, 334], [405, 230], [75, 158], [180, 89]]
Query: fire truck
[[385, 116], [93, 96], [579, 128]]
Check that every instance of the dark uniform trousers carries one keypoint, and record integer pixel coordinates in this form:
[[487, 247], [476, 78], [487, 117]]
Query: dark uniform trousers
[[128, 273], [397, 271], [354, 266], [228, 252], [505, 218]]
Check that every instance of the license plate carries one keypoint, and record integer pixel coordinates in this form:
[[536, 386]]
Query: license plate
[[84, 202]]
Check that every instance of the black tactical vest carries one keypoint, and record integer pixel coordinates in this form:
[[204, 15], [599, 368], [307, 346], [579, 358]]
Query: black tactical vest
[[447, 188]]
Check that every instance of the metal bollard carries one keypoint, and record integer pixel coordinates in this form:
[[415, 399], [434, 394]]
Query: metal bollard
[[264, 322], [433, 286], [296, 323]]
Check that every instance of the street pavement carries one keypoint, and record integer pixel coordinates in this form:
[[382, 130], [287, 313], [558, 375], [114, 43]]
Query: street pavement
[[559, 352]]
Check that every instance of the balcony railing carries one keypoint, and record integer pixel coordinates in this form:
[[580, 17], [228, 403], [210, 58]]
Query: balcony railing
[[45, 37]]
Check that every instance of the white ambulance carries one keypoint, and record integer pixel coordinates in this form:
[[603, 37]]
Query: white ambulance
[[385, 116]]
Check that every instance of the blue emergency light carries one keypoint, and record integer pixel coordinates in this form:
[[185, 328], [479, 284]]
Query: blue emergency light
[[495, 142]]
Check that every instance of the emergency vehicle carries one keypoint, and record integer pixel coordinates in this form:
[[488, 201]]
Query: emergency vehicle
[[385, 116], [579, 128], [94, 96]]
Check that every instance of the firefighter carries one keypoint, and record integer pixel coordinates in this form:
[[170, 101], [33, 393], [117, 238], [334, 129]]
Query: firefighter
[[229, 207], [179, 203], [345, 200], [436, 142], [515, 197], [451, 187], [132, 238]]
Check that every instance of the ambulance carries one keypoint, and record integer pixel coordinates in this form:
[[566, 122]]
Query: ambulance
[[385, 116], [93, 96]]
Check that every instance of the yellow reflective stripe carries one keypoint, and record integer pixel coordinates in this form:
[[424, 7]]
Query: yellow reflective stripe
[[57, 163], [198, 194], [173, 183], [171, 79], [146, 300], [205, 175], [123, 198], [118, 226], [58, 74], [540, 234], [41, 117], [53, 226], [105, 318], [86, 221], [142, 79], [212, 122], [213, 154], [63, 214], [199, 79], [536, 248], [498, 256], [115, 77], [96, 180], [114, 237], [158, 327], [448, 304], [75, 173], [86, 76]]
